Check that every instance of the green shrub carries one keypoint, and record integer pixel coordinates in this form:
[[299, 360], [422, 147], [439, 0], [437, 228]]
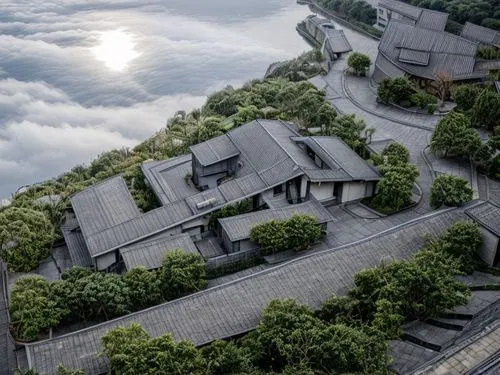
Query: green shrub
[[450, 191], [32, 309], [296, 233], [182, 273], [423, 100], [396, 153], [359, 62], [398, 90]]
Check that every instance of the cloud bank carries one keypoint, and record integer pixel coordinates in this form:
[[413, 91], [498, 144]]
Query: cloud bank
[[60, 106]]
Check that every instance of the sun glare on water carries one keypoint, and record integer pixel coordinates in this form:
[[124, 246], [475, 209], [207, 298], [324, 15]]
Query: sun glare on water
[[116, 50]]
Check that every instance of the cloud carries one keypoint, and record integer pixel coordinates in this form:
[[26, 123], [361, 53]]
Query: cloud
[[60, 106]]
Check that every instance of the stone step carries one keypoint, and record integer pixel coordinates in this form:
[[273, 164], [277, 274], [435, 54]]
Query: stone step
[[428, 335], [449, 323]]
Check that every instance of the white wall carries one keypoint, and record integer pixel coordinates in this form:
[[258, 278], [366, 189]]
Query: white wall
[[106, 260], [322, 191], [303, 187], [353, 191]]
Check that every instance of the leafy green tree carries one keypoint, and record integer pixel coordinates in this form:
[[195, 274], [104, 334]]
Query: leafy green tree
[[454, 135], [396, 90], [351, 130], [486, 110], [271, 236], [462, 242], [420, 288], [181, 273], [223, 357], [296, 233], [144, 288], [359, 62], [31, 308], [340, 310], [450, 191], [94, 296], [25, 238], [465, 96], [61, 370], [394, 190], [396, 153], [131, 351], [423, 100], [301, 231]]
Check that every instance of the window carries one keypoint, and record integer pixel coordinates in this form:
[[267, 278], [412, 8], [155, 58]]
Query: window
[[278, 189]]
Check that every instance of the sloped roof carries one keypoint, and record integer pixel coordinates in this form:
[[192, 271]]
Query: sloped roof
[[103, 206], [497, 86], [235, 307], [150, 253], [337, 42], [432, 52], [426, 18], [239, 227], [486, 214], [167, 178], [338, 155], [77, 248], [214, 150], [481, 34]]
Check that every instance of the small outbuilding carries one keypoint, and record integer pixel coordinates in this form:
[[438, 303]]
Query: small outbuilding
[[234, 232], [150, 253], [487, 215]]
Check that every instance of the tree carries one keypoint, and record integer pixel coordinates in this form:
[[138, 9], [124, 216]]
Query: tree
[[465, 96], [223, 357], [271, 236], [443, 81], [394, 190], [422, 287], [181, 273], [454, 135], [462, 242], [94, 296], [301, 231], [131, 351], [450, 191], [144, 287], [61, 370], [397, 90], [486, 110], [296, 233], [25, 238], [396, 153], [359, 62], [31, 308]]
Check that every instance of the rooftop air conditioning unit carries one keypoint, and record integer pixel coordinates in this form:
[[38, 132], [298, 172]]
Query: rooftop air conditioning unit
[[207, 203]]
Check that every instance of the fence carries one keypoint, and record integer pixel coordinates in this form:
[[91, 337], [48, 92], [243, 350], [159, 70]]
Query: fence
[[227, 260]]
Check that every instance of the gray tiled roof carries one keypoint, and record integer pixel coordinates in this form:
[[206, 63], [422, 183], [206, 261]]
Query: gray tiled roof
[[426, 18], [337, 41], [488, 215], [150, 253], [241, 187], [140, 227], [239, 227], [318, 175], [103, 206], [214, 150], [77, 248], [448, 53], [497, 86], [235, 308], [212, 194], [486, 65], [431, 19], [481, 34], [407, 10], [414, 57], [167, 178], [338, 155]]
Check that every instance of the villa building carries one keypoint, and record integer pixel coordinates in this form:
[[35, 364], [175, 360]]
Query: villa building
[[487, 215], [396, 10], [266, 162]]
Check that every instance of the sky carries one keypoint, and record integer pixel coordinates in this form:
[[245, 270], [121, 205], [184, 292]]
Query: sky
[[79, 77]]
